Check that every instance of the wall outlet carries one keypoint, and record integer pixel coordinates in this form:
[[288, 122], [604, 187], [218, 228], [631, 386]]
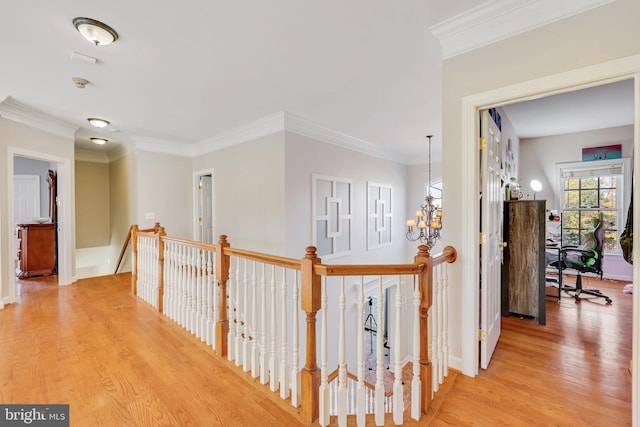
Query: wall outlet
[[150, 215]]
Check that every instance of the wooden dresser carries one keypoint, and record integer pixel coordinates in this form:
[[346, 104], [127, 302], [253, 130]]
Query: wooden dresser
[[523, 263], [37, 252]]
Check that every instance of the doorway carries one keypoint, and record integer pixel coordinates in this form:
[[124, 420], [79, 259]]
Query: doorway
[[471, 105], [64, 206], [204, 207]]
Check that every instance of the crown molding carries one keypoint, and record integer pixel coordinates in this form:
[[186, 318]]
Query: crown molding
[[16, 111], [267, 125], [157, 145], [497, 20], [305, 127], [90, 156]]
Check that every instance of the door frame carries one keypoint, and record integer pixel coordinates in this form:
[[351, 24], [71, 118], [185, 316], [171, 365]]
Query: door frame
[[607, 72], [66, 215], [196, 178]]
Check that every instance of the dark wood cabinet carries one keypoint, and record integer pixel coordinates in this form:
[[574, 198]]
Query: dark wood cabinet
[[523, 263], [36, 253]]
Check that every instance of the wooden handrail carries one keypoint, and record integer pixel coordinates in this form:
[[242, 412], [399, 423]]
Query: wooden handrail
[[311, 272], [365, 270], [448, 254], [155, 229]]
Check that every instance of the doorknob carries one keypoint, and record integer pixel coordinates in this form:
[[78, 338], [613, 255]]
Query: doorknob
[[502, 244]]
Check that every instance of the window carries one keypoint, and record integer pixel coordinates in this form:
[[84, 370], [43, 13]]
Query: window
[[589, 188]]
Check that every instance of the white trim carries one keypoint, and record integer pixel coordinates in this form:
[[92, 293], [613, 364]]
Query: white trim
[[264, 126], [194, 215], [497, 20], [326, 217], [91, 156], [387, 214], [598, 74], [305, 127], [161, 146], [13, 110], [624, 188], [66, 215]]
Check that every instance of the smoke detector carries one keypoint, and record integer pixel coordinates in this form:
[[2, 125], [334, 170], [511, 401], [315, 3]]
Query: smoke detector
[[80, 82]]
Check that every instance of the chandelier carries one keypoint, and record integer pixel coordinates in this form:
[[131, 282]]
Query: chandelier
[[428, 223]]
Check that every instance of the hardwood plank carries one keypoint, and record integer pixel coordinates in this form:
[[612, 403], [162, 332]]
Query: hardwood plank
[[118, 362]]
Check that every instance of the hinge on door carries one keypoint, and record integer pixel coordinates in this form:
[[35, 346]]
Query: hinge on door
[[483, 143], [482, 238], [482, 335]]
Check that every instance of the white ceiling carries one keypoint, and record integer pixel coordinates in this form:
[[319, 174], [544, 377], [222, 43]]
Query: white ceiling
[[370, 69]]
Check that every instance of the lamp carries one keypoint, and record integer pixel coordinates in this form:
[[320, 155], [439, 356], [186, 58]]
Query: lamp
[[536, 186], [99, 123], [428, 217], [96, 32], [99, 141]]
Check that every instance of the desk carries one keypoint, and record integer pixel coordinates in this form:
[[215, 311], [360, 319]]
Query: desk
[[555, 249]]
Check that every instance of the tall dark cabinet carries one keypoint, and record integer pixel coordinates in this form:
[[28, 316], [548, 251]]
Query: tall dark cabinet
[[523, 263]]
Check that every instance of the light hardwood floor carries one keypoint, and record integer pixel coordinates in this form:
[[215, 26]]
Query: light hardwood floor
[[119, 363]]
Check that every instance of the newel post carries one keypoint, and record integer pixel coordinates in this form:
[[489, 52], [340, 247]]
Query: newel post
[[310, 303], [134, 258], [222, 275], [161, 235], [426, 285]]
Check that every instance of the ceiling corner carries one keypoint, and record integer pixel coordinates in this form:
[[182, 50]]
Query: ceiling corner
[[18, 112], [497, 20]]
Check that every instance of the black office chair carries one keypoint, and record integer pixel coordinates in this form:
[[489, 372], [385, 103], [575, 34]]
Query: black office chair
[[586, 258]]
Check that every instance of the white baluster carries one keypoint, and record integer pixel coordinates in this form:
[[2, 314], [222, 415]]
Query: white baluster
[[264, 372], [398, 394], [323, 416], [198, 294], [255, 351], [380, 397], [439, 374], [445, 319], [241, 278], [273, 329], [416, 409], [246, 343], [342, 362], [231, 314], [360, 399], [194, 286], [295, 336], [215, 301], [210, 307], [284, 366]]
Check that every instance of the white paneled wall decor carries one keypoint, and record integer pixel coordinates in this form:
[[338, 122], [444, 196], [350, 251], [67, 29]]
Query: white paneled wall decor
[[378, 215], [332, 200]]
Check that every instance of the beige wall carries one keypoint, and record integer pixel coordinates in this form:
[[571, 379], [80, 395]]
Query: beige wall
[[122, 198], [600, 35], [249, 193], [163, 189], [93, 225]]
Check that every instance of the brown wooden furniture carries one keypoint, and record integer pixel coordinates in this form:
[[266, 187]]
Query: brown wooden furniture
[[523, 264], [36, 255]]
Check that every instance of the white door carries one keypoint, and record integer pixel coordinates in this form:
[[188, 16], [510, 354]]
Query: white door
[[26, 198], [205, 209], [491, 245]]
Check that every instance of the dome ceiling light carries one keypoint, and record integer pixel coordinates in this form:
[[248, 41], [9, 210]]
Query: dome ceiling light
[[99, 141], [99, 123], [96, 32]]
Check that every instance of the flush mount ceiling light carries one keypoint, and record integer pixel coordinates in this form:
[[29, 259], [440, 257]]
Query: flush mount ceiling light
[[99, 123], [96, 32], [99, 141]]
